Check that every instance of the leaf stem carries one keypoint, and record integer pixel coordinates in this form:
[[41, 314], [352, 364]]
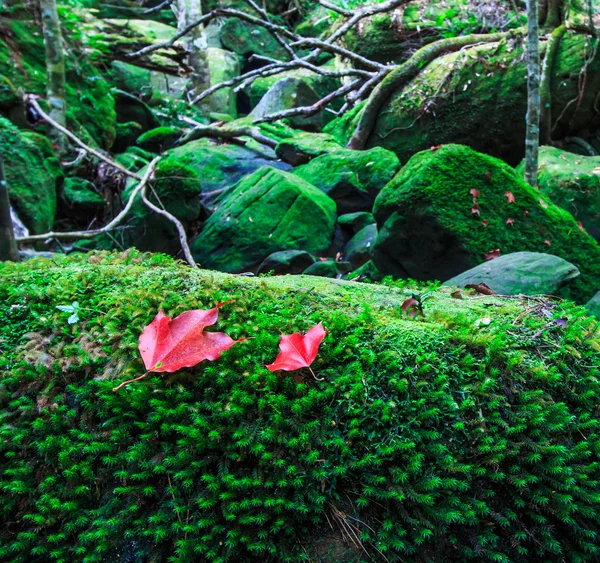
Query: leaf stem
[[130, 381], [313, 374]]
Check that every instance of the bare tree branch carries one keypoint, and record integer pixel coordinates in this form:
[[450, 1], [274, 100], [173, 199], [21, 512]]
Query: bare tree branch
[[108, 227], [225, 132], [307, 111], [31, 99]]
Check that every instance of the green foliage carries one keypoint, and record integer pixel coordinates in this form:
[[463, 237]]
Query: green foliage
[[436, 440]]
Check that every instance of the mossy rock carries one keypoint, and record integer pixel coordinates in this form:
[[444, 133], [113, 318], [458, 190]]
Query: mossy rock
[[572, 182], [351, 178], [31, 177], [286, 262], [436, 438], [266, 212], [90, 104], [355, 222], [159, 139], [431, 228], [328, 268], [220, 165]]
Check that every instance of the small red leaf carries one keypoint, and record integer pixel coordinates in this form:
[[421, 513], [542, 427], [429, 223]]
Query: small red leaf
[[488, 175], [167, 345], [475, 210], [510, 221], [526, 212], [482, 288], [474, 192], [510, 197], [548, 242], [436, 147], [492, 254], [410, 305], [485, 222], [580, 225], [298, 351], [543, 204]]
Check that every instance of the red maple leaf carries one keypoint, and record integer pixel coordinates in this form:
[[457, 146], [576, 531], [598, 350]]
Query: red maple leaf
[[580, 225], [298, 351], [492, 254], [167, 345], [474, 192], [510, 197], [485, 222], [510, 221]]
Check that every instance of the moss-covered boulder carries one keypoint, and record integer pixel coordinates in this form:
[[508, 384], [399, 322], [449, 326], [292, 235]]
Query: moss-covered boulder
[[448, 208], [266, 212], [31, 176], [354, 222], [220, 165], [526, 273], [351, 178], [328, 268], [436, 438], [573, 182], [478, 97], [222, 66]]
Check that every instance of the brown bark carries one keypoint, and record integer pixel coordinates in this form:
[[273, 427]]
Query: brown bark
[[8, 245]]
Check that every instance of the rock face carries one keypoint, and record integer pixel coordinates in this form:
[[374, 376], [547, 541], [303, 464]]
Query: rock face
[[481, 411], [526, 273], [289, 93], [448, 208], [572, 182], [266, 212], [351, 178], [303, 147], [31, 176], [222, 66]]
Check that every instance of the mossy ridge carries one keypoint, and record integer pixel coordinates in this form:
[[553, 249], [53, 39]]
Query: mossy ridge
[[437, 183], [446, 440]]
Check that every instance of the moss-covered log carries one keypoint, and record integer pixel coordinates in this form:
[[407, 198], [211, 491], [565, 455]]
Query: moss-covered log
[[441, 438]]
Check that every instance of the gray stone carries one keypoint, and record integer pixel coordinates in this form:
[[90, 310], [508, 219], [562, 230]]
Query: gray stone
[[526, 273], [358, 250]]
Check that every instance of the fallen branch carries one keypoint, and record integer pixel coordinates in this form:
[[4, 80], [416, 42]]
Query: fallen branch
[[31, 99], [225, 132], [405, 72], [307, 111], [108, 227]]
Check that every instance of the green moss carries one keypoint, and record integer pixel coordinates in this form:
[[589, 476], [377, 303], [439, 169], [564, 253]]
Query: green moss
[[30, 176], [352, 178], [436, 439], [159, 139], [426, 220], [90, 104], [265, 212], [572, 182]]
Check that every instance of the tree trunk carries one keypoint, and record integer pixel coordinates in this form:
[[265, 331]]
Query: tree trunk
[[532, 135], [189, 11], [55, 68], [8, 245]]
